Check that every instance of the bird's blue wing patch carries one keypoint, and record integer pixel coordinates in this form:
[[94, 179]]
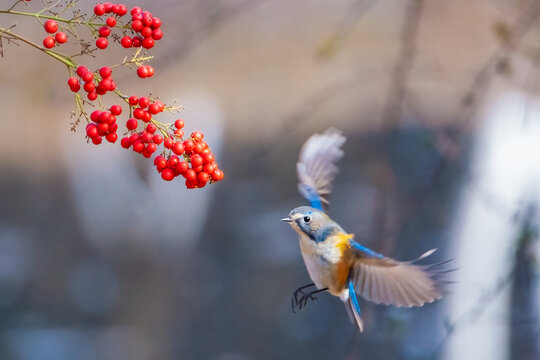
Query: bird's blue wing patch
[[365, 250], [311, 195]]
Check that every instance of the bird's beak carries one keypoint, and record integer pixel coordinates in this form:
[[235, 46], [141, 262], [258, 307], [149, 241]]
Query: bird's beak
[[287, 219]]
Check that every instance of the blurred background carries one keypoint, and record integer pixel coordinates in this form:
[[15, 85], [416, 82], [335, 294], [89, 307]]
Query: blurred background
[[439, 101]]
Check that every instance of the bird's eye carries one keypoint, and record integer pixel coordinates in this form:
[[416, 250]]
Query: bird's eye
[[307, 219]]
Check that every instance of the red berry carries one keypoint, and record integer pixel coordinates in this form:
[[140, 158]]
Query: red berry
[[126, 42], [135, 10], [179, 123], [138, 146], [146, 116], [131, 124], [181, 168], [154, 108], [156, 22], [51, 26], [157, 34], [198, 169], [48, 42], [75, 87], [94, 116], [121, 10], [92, 96], [136, 41], [157, 139], [111, 137], [209, 168], [99, 9], [208, 158], [173, 160], [100, 90], [104, 117], [108, 7], [203, 177], [103, 128], [189, 145], [148, 43], [116, 110], [197, 136], [146, 31], [150, 70], [61, 37], [105, 72], [138, 113], [217, 175], [142, 71], [167, 174], [111, 21], [73, 81], [133, 100], [190, 175], [178, 148], [87, 76], [104, 31], [144, 102], [81, 70], [179, 133], [151, 128], [146, 137], [89, 87], [97, 140], [151, 148], [114, 127], [199, 148], [160, 162], [92, 131], [147, 19], [160, 104], [102, 43], [168, 143], [137, 25], [196, 161], [106, 84], [125, 142]]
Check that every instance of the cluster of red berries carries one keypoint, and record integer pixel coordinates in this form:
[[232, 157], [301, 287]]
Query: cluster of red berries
[[103, 124], [105, 84], [195, 152], [144, 142], [145, 108], [189, 157], [146, 26], [108, 8], [51, 26]]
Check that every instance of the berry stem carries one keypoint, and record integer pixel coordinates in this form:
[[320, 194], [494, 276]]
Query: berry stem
[[74, 20], [58, 56]]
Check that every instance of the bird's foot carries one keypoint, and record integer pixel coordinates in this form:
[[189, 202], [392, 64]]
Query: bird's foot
[[300, 298]]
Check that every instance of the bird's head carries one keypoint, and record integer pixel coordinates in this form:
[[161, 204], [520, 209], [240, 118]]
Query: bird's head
[[312, 222]]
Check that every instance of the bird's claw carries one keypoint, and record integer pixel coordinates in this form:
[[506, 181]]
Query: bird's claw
[[300, 299]]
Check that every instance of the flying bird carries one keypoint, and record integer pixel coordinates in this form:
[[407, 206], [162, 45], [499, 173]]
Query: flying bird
[[336, 262]]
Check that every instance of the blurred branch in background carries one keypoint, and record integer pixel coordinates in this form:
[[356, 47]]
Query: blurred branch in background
[[203, 19]]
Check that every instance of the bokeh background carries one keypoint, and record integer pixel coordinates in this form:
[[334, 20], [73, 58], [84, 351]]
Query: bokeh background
[[101, 259]]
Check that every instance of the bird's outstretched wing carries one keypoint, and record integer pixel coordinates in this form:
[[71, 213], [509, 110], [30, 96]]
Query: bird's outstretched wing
[[387, 281], [316, 167]]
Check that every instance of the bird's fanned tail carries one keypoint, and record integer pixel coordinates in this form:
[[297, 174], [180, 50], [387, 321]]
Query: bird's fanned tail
[[353, 308]]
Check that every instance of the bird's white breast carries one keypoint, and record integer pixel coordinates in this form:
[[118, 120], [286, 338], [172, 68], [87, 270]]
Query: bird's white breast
[[320, 260]]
